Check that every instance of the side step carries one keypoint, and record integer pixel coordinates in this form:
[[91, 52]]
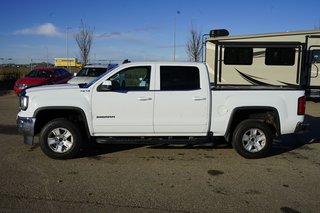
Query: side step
[[152, 140]]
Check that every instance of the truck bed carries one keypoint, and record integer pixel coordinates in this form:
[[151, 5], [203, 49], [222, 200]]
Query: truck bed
[[252, 87]]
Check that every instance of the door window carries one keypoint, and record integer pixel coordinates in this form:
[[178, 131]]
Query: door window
[[179, 78], [315, 63], [132, 79], [315, 56]]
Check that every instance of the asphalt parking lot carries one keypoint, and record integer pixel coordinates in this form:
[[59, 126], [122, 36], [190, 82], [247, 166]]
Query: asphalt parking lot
[[203, 178]]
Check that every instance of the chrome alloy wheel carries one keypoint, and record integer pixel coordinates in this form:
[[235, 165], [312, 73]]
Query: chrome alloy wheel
[[254, 140], [60, 140]]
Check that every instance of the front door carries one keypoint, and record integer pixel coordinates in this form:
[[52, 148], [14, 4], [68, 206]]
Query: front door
[[128, 107]]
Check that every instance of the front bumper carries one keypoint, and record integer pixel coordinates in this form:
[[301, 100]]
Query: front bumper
[[26, 127]]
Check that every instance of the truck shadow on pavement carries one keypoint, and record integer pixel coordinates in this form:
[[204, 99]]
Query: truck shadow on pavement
[[287, 143], [281, 145], [95, 151]]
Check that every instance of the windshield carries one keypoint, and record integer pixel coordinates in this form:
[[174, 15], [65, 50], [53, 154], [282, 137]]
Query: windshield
[[39, 74], [97, 79], [91, 71]]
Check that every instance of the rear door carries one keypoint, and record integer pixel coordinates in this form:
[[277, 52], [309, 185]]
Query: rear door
[[181, 101]]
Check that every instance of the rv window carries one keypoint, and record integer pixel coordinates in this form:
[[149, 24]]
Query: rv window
[[238, 55], [315, 56], [280, 56]]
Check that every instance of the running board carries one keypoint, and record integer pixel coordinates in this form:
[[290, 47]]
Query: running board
[[152, 140]]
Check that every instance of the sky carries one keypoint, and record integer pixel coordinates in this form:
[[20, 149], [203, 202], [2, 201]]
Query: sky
[[34, 30]]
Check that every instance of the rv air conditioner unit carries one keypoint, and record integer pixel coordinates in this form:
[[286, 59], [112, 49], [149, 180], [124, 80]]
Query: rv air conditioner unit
[[219, 33]]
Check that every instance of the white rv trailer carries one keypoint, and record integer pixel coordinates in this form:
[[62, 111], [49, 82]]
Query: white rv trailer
[[275, 59]]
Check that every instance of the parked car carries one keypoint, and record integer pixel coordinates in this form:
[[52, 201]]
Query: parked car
[[89, 73], [42, 76]]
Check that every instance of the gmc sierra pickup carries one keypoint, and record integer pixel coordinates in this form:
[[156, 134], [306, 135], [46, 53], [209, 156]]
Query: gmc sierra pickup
[[158, 102]]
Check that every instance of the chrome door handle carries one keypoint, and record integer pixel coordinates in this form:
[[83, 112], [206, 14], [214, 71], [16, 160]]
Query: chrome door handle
[[199, 99], [144, 99]]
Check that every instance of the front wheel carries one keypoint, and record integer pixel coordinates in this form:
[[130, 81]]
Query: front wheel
[[60, 139], [252, 139]]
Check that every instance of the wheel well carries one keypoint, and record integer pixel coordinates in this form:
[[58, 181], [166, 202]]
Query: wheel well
[[76, 116], [268, 116]]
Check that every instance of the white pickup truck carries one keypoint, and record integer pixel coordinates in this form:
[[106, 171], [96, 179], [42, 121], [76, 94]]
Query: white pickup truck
[[158, 103]]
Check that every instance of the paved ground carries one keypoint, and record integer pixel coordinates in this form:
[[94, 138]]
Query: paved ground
[[159, 179]]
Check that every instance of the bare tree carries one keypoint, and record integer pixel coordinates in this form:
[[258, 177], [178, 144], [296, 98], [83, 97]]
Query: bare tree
[[84, 40], [194, 45]]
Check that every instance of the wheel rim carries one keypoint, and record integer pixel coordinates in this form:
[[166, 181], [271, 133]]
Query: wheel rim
[[254, 140], [60, 140]]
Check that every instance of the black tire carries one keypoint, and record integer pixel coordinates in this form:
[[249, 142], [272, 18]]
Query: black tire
[[252, 139], [60, 139]]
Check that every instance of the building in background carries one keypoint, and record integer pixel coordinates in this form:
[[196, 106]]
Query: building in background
[[67, 62]]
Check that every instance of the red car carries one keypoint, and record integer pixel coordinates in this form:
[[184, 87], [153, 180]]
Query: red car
[[41, 76]]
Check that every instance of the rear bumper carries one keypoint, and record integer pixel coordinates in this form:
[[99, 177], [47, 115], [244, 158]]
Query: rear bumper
[[301, 127], [26, 127]]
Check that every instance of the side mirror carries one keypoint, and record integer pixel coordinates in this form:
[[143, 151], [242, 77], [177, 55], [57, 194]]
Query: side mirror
[[105, 86]]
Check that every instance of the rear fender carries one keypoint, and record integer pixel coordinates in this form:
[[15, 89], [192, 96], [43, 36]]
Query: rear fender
[[268, 115]]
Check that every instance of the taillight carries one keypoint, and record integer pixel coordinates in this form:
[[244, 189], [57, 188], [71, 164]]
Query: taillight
[[301, 105]]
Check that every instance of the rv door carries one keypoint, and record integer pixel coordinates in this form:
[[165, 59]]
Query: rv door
[[314, 66], [314, 62]]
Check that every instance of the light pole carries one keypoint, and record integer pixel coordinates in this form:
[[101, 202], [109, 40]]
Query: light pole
[[174, 35], [67, 48]]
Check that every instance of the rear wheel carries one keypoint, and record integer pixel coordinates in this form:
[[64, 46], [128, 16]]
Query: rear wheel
[[252, 139], [60, 139]]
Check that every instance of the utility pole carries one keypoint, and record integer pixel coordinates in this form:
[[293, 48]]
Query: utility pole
[[174, 35], [67, 48]]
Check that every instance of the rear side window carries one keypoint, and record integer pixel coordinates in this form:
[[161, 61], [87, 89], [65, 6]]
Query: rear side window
[[280, 56], [238, 55], [179, 78], [57, 73], [64, 72]]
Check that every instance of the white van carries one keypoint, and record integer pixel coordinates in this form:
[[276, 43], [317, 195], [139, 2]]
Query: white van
[[89, 73]]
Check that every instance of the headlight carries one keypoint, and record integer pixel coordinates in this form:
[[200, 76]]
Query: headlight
[[23, 105], [21, 86]]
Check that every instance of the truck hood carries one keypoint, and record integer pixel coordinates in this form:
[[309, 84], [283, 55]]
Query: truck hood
[[57, 88], [81, 80], [59, 95]]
